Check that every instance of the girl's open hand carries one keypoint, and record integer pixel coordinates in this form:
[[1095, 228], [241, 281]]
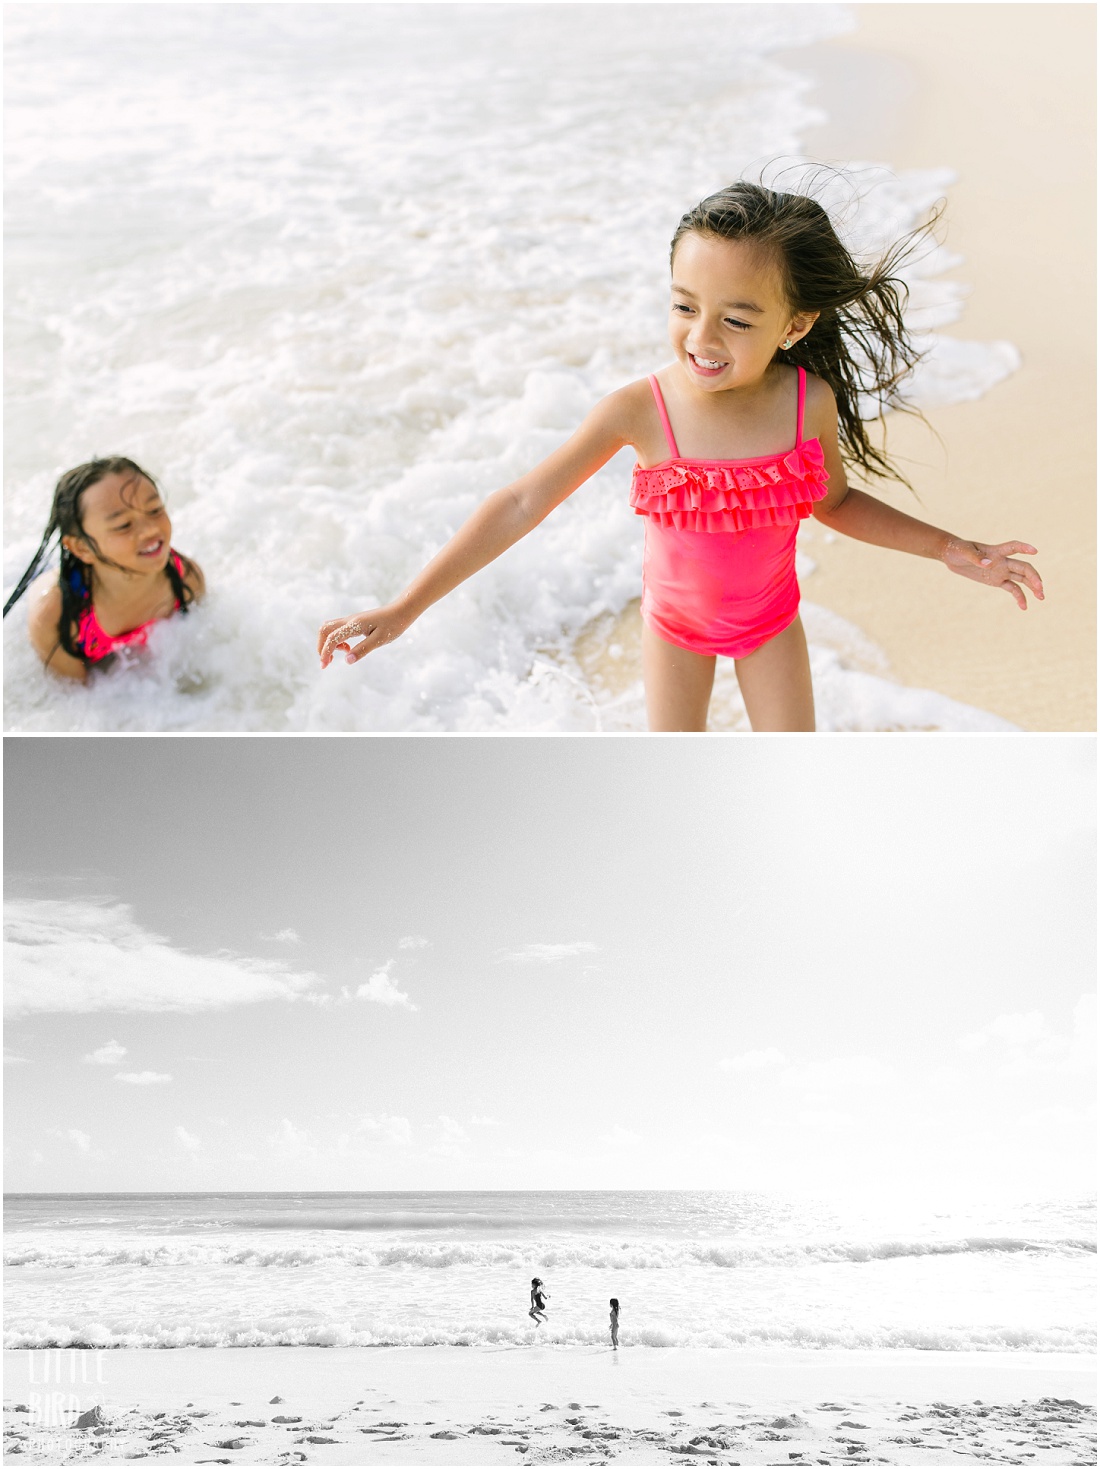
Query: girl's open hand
[[380, 625], [993, 566]]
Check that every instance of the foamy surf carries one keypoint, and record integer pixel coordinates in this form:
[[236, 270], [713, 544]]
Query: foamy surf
[[330, 338], [706, 1269]]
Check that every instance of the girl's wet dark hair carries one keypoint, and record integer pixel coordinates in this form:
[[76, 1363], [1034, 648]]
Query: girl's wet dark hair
[[859, 344], [75, 575], [615, 1302]]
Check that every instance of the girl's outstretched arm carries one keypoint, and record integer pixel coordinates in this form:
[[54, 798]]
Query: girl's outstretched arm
[[498, 522], [859, 515]]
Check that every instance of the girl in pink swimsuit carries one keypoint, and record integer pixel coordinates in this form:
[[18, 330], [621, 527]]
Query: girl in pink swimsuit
[[780, 339], [118, 574]]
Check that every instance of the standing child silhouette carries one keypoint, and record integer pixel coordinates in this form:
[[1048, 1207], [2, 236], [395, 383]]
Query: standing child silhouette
[[777, 335]]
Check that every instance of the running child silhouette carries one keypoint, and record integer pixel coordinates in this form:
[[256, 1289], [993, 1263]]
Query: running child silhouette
[[118, 575], [777, 335], [539, 1296]]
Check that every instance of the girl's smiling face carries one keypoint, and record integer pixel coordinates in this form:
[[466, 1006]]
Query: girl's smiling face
[[124, 516], [728, 315]]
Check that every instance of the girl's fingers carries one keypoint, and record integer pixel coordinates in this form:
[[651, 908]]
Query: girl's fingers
[[1014, 590], [322, 636], [360, 650], [339, 639], [1021, 571], [1016, 548]]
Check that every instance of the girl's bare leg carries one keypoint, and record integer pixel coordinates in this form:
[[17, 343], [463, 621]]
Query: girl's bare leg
[[775, 682], [677, 684]]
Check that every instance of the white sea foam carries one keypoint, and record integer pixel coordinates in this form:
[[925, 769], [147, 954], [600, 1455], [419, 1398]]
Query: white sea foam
[[710, 1269], [546, 1253], [151, 1332], [333, 274]]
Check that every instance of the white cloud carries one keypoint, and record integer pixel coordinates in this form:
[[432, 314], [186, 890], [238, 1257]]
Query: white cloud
[[1023, 1043], [452, 1140], [79, 957], [753, 1060], [836, 1075], [188, 1140], [286, 936], [80, 1139], [485, 1122], [393, 1131], [11, 1059], [414, 941], [366, 1137], [549, 953], [1011, 1030], [620, 1137], [143, 1078], [109, 1055], [381, 990]]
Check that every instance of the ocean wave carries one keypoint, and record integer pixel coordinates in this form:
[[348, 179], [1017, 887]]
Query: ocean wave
[[547, 1254], [153, 1334]]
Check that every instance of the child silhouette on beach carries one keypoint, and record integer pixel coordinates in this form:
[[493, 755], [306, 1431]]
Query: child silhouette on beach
[[119, 573], [539, 1297], [780, 342], [615, 1323]]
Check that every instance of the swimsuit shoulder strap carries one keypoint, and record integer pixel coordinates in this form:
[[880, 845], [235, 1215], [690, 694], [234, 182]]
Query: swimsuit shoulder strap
[[801, 404], [658, 398]]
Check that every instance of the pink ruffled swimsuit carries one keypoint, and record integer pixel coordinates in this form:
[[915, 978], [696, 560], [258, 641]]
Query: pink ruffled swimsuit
[[95, 644], [720, 539]]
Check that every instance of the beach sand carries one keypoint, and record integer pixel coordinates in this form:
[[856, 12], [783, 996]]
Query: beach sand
[[431, 1405], [1003, 95]]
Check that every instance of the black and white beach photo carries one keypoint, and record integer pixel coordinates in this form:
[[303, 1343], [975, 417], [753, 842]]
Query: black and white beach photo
[[320, 1053]]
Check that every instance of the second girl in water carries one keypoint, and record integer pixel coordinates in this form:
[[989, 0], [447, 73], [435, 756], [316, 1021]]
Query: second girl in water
[[777, 335]]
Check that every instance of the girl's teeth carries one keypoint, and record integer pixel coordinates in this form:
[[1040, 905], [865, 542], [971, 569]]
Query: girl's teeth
[[705, 362]]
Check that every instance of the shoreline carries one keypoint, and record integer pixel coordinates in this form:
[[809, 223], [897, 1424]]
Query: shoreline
[[1019, 462], [485, 1405]]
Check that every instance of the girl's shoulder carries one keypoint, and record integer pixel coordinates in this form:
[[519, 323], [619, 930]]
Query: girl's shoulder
[[817, 389], [819, 412], [44, 610], [191, 574], [632, 412]]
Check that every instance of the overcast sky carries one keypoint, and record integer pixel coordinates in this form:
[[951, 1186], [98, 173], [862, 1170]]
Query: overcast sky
[[523, 963]]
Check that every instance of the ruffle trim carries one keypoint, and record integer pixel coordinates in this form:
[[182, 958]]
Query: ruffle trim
[[732, 497]]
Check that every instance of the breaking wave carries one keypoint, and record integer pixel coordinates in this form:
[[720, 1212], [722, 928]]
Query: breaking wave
[[547, 1254]]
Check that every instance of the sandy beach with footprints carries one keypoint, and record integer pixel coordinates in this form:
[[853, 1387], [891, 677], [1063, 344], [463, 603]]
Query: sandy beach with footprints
[[544, 1405]]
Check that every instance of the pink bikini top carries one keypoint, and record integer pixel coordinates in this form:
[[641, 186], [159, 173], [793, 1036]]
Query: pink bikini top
[[95, 644], [731, 494]]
